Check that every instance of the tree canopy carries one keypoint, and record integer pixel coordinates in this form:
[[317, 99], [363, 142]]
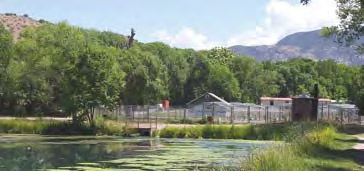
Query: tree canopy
[[58, 68]]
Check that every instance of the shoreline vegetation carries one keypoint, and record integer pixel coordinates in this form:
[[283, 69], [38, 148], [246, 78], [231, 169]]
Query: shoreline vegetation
[[48, 127], [307, 146], [321, 148]]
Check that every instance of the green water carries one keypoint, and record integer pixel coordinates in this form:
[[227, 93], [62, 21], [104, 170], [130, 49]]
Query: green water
[[32, 152]]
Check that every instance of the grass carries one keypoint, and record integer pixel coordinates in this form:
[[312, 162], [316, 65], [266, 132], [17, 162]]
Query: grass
[[319, 147], [309, 146], [251, 132], [44, 127]]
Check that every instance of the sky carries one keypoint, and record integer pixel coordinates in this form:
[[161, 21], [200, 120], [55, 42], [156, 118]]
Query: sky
[[197, 24]]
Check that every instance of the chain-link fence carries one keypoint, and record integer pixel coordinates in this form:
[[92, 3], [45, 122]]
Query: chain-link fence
[[208, 112], [340, 113]]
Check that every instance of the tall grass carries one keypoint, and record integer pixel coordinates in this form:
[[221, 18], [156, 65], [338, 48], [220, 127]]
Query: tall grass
[[251, 132], [309, 140], [23, 126], [20, 126]]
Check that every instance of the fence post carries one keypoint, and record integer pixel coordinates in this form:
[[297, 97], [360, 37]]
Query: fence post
[[148, 113], [143, 113], [156, 122], [167, 114], [341, 116], [269, 115], [266, 114], [213, 112], [175, 114], [359, 117], [248, 114], [328, 112], [232, 114], [184, 114], [322, 112], [132, 110], [138, 123], [203, 111], [280, 113]]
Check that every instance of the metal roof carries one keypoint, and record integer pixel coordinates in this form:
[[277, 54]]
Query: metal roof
[[207, 96]]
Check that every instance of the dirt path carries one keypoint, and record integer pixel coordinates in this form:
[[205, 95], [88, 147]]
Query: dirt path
[[360, 145]]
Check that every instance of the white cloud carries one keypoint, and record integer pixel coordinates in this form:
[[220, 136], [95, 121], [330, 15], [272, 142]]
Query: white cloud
[[282, 18], [185, 38], [285, 18]]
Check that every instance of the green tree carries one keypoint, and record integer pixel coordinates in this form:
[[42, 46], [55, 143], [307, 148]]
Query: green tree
[[245, 70], [223, 83], [176, 66], [145, 78], [221, 56], [6, 55], [62, 63]]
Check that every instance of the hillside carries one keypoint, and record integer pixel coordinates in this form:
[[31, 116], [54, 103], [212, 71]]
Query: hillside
[[304, 44], [16, 23]]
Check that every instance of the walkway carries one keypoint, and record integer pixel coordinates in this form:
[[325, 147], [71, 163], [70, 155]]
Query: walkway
[[360, 144]]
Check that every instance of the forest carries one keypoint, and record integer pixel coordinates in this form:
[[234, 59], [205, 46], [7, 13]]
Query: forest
[[58, 68]]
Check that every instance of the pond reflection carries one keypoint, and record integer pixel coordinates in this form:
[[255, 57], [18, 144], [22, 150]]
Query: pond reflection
[[19, 152]]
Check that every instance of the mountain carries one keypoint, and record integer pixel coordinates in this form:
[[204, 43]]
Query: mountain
[[306, 45], [17, 23]]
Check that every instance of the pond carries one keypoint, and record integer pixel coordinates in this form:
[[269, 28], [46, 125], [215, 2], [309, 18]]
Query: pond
[[31, 152]]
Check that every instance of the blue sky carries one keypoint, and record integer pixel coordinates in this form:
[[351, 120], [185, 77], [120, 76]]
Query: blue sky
[[199, 24]]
